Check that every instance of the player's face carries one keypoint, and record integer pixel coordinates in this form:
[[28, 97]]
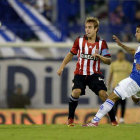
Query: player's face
[[90, 30], [120, 56], [137, 34]]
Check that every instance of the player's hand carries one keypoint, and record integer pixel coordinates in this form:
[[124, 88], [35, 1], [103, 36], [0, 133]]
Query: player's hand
[[59, 71], [138, 66], [96, 56], [117, 40], [135, 100]]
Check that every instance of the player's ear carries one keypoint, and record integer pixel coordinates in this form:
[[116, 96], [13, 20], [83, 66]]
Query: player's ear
[[96, 29]]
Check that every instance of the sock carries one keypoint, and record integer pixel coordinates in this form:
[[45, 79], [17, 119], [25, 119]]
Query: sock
[[73, 102], [104, 109], [123, 106], [111, 114]]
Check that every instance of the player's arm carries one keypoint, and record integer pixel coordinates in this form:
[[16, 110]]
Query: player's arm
[[69, 56], [104, 56], [66, 60], [104, 59], [128, 49]]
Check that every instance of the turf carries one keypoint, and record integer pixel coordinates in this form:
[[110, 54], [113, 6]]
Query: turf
[[62, 132]]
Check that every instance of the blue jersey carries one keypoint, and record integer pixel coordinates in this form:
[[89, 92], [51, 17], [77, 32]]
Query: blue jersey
[[135, 74]]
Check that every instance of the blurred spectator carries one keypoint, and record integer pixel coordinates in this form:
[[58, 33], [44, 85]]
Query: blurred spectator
[[31, 2], [137, 17], [40, 6], [47, 10], [98, 9], [126, 38], [17, 99], [126, 34], [65, 15], [117, 17], [44, 7]]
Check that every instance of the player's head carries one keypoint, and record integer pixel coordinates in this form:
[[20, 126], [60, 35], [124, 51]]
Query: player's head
[[120, 55], [91, 26], [138, 33]]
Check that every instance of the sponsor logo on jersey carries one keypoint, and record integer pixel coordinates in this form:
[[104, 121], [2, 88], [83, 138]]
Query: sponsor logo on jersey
[[88, 56]]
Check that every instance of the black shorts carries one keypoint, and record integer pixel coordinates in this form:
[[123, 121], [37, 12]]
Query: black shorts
[[95, 82]]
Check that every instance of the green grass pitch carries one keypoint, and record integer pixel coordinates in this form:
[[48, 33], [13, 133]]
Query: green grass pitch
[[63, 132]]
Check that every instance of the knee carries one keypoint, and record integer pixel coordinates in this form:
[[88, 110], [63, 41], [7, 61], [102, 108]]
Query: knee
[[76, 93], [103, 95], [113, 97]]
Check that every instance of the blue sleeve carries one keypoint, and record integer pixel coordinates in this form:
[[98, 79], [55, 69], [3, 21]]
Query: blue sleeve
[[137, 58], [138, 61]]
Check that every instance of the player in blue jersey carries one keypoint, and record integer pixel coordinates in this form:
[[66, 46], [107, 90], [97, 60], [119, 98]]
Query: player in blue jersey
[[127, 87]]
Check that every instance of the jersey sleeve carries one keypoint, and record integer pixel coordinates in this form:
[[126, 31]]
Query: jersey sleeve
[[74, 49], [104, 49], [138, 60]]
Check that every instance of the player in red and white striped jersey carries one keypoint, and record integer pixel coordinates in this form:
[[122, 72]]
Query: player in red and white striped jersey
[[90, 50], [85, 50]]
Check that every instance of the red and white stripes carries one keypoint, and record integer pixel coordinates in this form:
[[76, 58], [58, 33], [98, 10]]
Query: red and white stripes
[[87, 66]]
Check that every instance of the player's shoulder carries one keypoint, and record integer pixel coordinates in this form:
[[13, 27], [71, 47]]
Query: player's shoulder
[[101, 39], [76, 41], [77, 38], [81, 37], [103, 42]]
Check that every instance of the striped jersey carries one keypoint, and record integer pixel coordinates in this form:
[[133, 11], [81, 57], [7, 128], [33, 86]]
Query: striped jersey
[[86, 65]]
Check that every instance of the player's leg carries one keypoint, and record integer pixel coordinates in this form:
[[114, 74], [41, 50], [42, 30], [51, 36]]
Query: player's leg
[[104, 109], [106, 106], [126, 88], [77, 89], [73, 102], [103, 95], [116, 107], [123, 108], [97, 85]]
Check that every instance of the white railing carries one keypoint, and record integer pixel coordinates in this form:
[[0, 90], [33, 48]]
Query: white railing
[[55, 45]]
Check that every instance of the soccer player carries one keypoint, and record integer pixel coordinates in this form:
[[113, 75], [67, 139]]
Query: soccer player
[[127, 87], [119, 70], [90, 50]]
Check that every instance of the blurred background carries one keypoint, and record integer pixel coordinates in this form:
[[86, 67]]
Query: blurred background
[[34, 38], [66, 17]]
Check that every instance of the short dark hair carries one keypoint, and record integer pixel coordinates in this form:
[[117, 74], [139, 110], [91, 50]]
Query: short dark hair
[[120, 51], [138, 26]]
